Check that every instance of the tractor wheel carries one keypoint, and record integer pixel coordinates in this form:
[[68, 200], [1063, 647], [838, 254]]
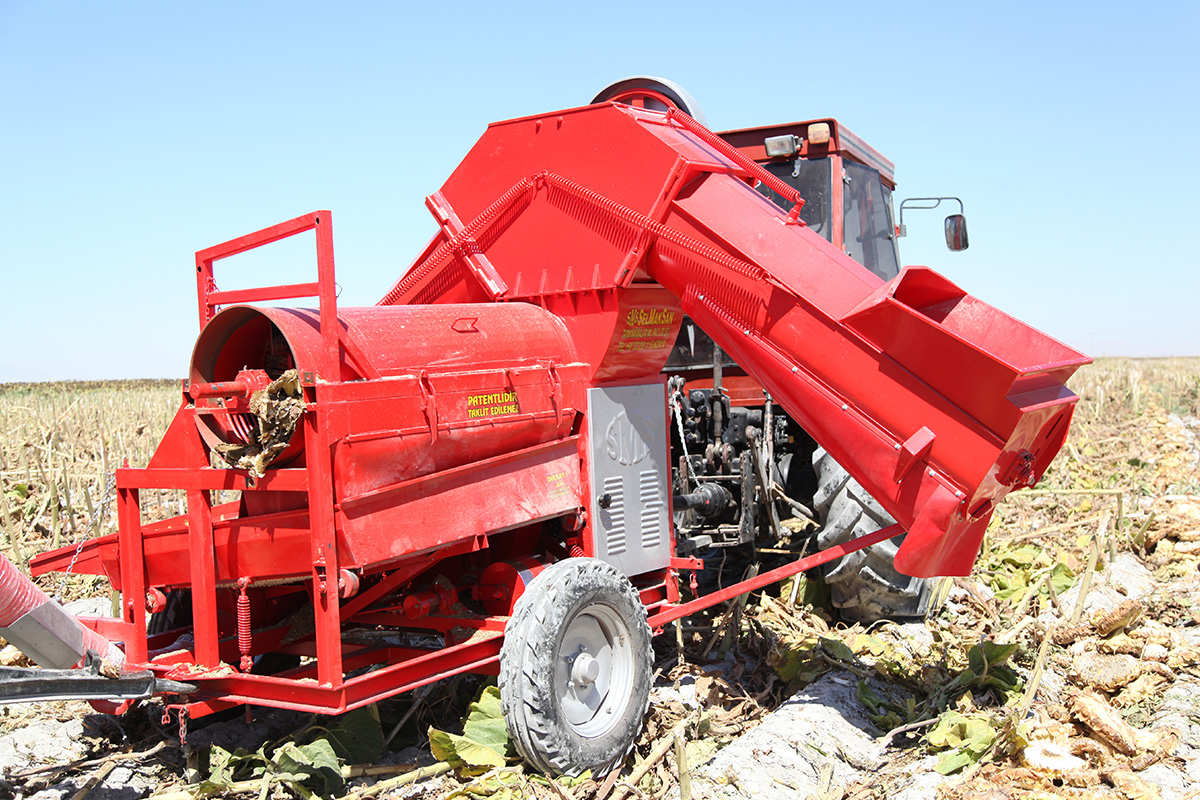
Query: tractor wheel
[[646, 91], [864, 586], [575, 668], [176, 613]]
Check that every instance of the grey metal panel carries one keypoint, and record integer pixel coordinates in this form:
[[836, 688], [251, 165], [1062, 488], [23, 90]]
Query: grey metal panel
[[48, 635], [630, 454]]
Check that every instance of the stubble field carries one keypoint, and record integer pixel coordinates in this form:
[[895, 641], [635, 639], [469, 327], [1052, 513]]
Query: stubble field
[[1016, 689]]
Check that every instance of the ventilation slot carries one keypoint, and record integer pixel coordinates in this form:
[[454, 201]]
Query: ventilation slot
[[651, 495], [614, 516]]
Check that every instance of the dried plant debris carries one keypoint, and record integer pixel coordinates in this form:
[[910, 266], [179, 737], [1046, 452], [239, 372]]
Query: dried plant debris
[[277, 409]]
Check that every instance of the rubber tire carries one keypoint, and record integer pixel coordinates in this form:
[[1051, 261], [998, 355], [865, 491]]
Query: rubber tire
[[864, 586], [176, 613], [529, 698]]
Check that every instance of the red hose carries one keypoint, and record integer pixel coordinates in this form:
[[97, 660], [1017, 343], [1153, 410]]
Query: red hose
[[18, 594]]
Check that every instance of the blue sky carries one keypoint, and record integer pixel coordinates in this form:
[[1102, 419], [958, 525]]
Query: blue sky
[[132, 135]]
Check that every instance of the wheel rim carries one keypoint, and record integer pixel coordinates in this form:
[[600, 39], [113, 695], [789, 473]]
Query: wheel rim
[[594, 670]]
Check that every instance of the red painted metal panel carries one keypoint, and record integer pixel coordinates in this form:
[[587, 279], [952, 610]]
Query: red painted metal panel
[[203, 577], [492, 495], [132, 571]]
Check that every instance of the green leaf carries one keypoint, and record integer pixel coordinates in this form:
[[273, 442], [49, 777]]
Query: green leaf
[[224, 766], [485, 722], [357, 738], [994, 654], [220, 767], [965, 738], [978, 735], [953, 761], [484, 740], [837, 648], [312, 766], [459, 750], [868, 698], [1061, 578]]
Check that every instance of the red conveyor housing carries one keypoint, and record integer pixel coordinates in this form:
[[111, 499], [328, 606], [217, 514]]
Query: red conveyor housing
[[937, 403]]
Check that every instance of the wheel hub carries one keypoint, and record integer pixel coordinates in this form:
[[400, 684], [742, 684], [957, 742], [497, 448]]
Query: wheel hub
[[585, 670], [596, 669]]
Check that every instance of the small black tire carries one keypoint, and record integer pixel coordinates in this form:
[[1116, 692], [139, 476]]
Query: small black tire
[[176, 613], [575, 669], [864, 586]]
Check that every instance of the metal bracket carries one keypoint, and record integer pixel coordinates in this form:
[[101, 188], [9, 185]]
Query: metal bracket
[[916, 448], [428, 404]]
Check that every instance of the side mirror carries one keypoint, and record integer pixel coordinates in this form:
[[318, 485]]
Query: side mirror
[[956, 232], [956, 224]]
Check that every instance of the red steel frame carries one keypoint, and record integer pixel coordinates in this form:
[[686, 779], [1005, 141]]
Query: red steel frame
[[855, 390], [403, 668], [331, 693]]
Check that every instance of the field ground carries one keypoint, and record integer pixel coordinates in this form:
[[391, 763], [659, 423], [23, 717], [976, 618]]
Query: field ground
[[1016, 691]]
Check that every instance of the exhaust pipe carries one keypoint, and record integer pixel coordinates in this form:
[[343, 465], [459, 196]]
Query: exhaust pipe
[[41, 629]]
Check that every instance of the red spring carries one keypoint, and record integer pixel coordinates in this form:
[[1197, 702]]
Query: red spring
[[244, 631], [576, 550], [243, 426]]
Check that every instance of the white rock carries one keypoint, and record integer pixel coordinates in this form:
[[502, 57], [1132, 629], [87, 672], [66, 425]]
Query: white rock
[[821, 727]]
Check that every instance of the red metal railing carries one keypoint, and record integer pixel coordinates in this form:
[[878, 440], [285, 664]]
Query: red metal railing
[[210, 298]]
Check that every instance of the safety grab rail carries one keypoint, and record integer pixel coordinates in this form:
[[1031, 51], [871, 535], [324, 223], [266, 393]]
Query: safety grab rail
[[210, 298]]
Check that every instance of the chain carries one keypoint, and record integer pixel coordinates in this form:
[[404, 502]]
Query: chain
[[677, 407], [93, 524]]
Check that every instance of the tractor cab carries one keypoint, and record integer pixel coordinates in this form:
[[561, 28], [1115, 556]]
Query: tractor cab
[[846, 184]]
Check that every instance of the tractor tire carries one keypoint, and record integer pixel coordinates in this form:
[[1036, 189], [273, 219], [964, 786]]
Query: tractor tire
[[575, 669], [176, 613], [864, 586]]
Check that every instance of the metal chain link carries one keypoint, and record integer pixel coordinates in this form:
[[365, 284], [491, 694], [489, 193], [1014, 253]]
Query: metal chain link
[[677, 407], [93, 524]]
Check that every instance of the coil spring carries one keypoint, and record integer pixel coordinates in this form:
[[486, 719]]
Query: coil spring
[[244, 629]]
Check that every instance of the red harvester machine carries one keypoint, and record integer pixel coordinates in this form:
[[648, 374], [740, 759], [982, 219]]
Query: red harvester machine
[[475, 475]]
